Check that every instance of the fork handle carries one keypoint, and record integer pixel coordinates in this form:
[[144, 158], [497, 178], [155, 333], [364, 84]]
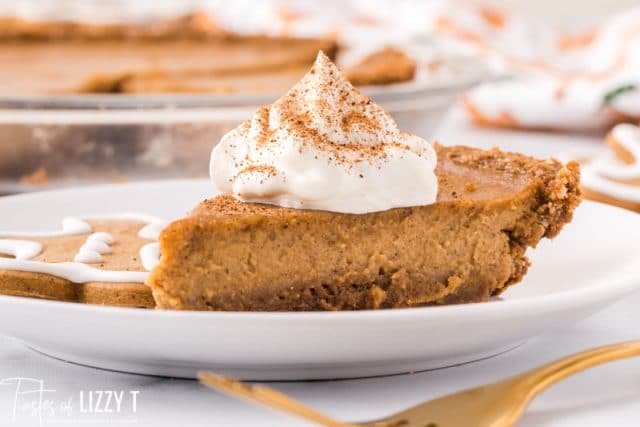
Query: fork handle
[[547, 375]]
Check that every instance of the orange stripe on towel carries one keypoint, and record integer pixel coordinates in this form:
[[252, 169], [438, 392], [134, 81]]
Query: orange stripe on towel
[[504, 119]]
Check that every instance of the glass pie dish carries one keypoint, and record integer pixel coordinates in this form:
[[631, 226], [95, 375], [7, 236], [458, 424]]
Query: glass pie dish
[[55, 141]]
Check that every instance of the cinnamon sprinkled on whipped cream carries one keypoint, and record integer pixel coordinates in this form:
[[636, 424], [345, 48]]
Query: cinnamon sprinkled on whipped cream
[[325, 146]]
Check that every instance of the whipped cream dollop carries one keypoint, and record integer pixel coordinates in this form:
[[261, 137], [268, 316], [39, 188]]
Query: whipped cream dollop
[[325, 146]]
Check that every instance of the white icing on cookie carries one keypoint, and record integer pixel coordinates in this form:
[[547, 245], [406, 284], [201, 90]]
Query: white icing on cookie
[[150, 255], [91, 251], [88, 257], [152, 230], [71, 226], [96, 245], [601, 173], [74, 271], [100, 236], [20, 249], [617, 190], [627, 136]]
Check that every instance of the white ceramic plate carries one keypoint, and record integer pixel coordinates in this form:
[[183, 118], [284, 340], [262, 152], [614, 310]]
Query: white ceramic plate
[[593, 262]]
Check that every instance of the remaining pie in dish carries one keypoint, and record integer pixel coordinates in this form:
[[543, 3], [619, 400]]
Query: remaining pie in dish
[[385, 66], [468, 246], [186, 54]]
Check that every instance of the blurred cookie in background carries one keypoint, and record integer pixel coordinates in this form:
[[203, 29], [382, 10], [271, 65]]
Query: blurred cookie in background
[[613, 176]]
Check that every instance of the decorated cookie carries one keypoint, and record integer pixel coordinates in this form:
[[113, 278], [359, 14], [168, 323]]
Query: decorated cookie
[[614, 177], [95, 260]]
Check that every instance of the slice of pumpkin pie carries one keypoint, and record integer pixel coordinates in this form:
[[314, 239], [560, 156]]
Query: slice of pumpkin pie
[[328, 206]]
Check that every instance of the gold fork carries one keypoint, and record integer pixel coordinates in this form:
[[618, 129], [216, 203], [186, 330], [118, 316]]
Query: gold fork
[[495, 405]]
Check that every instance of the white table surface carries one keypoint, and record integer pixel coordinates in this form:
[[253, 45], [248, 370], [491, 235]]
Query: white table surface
[[604, 396]]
